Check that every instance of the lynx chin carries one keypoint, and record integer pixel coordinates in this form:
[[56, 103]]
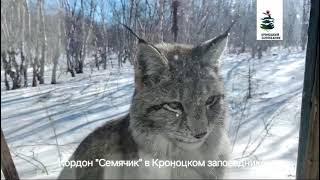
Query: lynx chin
[[177, 113]]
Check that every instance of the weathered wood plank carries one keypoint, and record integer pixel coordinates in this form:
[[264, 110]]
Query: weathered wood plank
[[308, 153], [7, 165]]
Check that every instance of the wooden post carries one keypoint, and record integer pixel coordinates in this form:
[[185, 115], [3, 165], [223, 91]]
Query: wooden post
[[308, 152], [7, 165]]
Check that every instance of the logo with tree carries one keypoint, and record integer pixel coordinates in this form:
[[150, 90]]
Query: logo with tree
[[267, 22]]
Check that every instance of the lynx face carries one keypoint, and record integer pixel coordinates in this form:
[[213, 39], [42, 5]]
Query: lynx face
[[179, 94]]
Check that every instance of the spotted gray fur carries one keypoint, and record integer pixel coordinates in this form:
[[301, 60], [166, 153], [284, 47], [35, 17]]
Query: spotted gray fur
[[177, 113]]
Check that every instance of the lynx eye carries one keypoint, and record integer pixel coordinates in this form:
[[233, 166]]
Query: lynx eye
[[213, 100], [174, 107]]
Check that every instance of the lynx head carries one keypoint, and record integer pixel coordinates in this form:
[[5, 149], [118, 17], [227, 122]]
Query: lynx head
[[179, 94]]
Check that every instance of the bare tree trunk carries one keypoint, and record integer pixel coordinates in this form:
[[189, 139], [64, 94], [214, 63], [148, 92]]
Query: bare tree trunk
[[249, 79], [15, 75], [35, 59], [70, 65], [6, 82], [104, 57], [43, 41], [304, 29], [12, 39], [244, 37], [259, 52], [162, 3], [82, 50], [34, 73], [253, 50], [7, 165], [56, 55], [28, 56], [96, 60], [23, 65], [5, 65], [174, 28], [55, 65], [259, 49]]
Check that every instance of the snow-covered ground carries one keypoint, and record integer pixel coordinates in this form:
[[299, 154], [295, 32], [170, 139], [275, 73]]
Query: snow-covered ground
[[43, 125], [265, 128]]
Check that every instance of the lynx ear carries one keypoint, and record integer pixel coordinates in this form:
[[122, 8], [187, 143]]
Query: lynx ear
[[211, 50], [151, 64]]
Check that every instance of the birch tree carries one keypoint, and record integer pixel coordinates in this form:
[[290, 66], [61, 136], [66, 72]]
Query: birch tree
[[43, 42], [57, 44]]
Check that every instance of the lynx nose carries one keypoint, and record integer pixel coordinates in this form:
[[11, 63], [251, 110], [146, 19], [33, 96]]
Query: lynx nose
[[200, 135]]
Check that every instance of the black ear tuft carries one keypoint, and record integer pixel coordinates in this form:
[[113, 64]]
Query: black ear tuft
[[150, 64], [211, 50]]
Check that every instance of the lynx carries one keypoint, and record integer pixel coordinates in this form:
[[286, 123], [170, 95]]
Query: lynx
[[177, 114]]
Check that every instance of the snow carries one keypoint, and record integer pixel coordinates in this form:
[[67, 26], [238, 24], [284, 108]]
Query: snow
[[43, 125], [265, 128]]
